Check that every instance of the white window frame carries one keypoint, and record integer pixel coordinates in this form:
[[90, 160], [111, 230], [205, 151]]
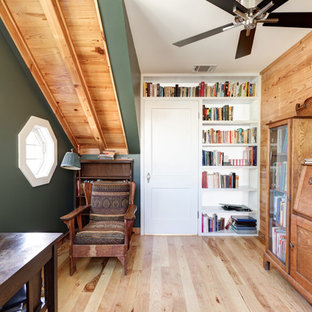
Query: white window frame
[[33, 123]]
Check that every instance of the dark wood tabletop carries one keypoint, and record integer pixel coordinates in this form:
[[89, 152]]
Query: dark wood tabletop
[[21, 255]]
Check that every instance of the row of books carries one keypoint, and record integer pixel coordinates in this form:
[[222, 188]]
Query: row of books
[[279, 176], [212, 224], [279, 239], [218, 113], [244, 224], [213, 158], [217, 180], [238, 136], [217, 158], [218, 89], [279, 210]]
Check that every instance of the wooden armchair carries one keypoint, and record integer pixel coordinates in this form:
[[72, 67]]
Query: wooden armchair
[[108, 233]]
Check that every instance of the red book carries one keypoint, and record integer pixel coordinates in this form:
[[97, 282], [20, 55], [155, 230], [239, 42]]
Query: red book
[[204, 180], [202, 89]]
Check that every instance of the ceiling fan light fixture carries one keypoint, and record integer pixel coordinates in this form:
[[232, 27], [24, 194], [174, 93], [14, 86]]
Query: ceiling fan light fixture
[[249, 4]]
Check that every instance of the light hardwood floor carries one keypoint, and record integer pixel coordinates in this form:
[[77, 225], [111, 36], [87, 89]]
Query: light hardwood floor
[[169, 273]]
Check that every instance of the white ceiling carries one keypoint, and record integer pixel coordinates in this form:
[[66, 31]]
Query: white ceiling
[[156, 24]]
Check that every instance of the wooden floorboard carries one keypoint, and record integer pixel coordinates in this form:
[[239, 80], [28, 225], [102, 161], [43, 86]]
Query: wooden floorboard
[[172, 273]]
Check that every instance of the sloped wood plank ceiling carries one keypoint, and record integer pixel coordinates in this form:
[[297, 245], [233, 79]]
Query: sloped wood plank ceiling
[[62, 42]]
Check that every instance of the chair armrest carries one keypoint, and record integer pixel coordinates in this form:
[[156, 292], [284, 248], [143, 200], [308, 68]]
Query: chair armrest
[[75, 213], [130, 213]]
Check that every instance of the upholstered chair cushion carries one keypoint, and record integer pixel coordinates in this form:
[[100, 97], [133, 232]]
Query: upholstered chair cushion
[[101, 233], [109, 201]]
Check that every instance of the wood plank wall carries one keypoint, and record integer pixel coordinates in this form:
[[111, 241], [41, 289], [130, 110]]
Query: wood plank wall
[[286, 82]]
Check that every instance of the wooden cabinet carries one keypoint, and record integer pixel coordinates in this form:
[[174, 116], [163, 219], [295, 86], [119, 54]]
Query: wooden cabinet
[[278, 171], [301, 253], [92, 170], [289, 212], [301, 234]]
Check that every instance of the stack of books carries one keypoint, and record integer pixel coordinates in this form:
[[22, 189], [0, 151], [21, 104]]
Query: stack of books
[[110, 155], [244, 225]]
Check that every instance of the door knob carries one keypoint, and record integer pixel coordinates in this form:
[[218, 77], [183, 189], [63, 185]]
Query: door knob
[[148, 177], [291, 245]]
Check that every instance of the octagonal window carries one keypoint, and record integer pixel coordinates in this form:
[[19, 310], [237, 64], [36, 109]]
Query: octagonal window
[[37, 151]]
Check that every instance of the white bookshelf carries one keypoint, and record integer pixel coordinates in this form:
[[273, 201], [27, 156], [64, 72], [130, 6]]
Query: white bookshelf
[[246, 115]]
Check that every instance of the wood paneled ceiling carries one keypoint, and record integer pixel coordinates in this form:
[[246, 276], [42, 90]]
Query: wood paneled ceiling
[[63, 44]]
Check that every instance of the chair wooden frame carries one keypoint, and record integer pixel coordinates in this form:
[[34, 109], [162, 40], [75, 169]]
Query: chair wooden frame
[[78, 251]]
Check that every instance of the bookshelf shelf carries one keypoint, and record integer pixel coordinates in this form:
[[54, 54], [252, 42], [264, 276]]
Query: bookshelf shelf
[[233, 100], [220, 210], [227, 145], [226, 233], [278, 190], [209, 100], [229, 167], [240, 189], [229, 122]]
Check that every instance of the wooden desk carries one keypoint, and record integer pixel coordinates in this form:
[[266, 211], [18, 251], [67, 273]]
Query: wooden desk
[[22, 256]]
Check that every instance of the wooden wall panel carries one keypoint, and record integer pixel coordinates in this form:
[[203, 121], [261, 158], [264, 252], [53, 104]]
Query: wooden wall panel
[[286, 82], [63, 44]]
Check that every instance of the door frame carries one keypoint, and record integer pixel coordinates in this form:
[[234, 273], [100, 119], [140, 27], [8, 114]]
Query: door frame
[[142, 148]]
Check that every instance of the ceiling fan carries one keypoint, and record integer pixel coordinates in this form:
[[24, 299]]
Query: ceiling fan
[[248, 13]]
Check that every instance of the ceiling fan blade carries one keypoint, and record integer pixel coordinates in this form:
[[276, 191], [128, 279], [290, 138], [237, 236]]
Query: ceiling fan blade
[[277, 4], [204, 35], [228, 5], [291, 19], [245, 43]]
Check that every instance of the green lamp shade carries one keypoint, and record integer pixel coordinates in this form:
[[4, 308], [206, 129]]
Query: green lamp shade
[[71, 161]]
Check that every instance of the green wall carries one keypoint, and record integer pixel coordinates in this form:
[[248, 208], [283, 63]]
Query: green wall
[[24, 208], [134, 68], [136, 179], [124, 66], [127, 77]]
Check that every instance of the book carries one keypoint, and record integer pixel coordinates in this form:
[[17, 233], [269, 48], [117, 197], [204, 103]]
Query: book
[[243, 218], [245, 231]]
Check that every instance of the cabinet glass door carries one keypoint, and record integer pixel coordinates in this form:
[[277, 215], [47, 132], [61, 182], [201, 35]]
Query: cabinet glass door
[[278, 192]]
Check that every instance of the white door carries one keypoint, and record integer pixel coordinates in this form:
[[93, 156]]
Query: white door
[[171, 166]]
